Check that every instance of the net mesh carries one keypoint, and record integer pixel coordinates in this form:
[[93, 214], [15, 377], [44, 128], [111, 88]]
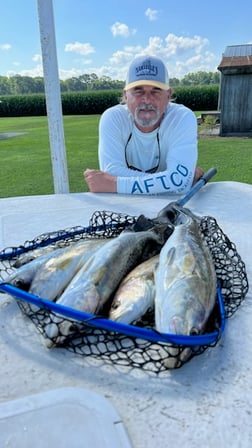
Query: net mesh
[[88, 339]]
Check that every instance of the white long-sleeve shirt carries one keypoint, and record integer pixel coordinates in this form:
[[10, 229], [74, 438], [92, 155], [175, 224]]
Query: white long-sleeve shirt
[[171, 149]]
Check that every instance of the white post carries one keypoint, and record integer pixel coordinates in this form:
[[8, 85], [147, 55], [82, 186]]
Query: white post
[[53, 96]]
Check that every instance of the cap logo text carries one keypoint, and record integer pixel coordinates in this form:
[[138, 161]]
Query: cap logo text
[[146, 68]]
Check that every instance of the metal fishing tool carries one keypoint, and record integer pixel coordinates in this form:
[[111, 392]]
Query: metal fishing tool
[[170, 211]]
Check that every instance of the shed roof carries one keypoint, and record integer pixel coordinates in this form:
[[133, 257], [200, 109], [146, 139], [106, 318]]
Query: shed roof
[[237, 56]]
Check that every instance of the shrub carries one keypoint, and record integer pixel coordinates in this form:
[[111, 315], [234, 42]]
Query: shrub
[[89, 103], [22, 105], [197, 97], [95, 102]]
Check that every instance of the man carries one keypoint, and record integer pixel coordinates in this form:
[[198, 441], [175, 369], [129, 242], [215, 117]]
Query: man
[[149, 144]]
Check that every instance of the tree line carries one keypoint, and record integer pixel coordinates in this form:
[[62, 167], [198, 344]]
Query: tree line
[[22, 85]]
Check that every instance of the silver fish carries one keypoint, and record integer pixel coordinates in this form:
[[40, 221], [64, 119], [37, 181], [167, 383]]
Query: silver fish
[[99, 278], [185, 280], [32, 254], [23, 276], [56, 273], [135, 294]]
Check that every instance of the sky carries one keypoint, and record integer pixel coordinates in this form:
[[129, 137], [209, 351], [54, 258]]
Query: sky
[[103, 36]]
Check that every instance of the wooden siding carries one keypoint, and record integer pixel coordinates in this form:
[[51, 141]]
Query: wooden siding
[[235, 98]]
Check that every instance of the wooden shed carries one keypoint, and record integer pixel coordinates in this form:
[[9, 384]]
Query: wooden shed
[[235, 97]]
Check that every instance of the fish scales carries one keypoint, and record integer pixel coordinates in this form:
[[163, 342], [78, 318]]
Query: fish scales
[[36, 275], [24, 274], [135, 294], [185, 280], [32, 254], [98, 279], [56, 273]]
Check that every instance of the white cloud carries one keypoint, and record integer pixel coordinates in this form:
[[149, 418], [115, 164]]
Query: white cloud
[[124, 56], [78, 47], [121, 29], [180, 44], [155, 46], [32, 72], [151, 14], [5, 47], [70, 73], [199, 62], [181, 54], [37, 58], [170, 47]]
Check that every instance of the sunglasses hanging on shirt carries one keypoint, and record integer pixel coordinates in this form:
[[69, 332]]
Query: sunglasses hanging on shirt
[[132, 167]]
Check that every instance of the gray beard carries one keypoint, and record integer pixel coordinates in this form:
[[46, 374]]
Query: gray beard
[[144, 122]]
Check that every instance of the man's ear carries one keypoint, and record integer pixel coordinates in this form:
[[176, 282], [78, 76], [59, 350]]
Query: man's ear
[[169, 93], [124, 97]]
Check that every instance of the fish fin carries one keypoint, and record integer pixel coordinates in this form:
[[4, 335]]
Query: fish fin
[[99, 275], [171, 256]]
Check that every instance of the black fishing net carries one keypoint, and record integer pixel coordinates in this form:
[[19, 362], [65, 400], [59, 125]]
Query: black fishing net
[[148, 351]]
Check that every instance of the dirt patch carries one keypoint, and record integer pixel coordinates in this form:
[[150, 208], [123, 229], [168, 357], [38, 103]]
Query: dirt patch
[[5, 135]]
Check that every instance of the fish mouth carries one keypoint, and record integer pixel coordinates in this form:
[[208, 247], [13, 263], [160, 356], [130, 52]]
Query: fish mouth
[[175, 214], [194, 331]]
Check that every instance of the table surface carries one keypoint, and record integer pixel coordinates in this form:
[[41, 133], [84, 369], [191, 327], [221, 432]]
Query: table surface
[[207, 402]]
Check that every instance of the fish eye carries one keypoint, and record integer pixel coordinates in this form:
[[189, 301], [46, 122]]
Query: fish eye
[[115, 305], [194, 331], [21, 284]]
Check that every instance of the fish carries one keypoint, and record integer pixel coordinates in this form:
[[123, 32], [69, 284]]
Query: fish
[[32, 254], [98, 279], [185, 279], [24, 275], [56, 273], [135, 294]]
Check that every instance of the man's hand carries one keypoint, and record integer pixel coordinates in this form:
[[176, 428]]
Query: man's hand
[[198, 173], [100, 182]]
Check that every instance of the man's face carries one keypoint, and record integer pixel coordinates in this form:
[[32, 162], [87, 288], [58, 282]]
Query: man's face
[[147, 105]]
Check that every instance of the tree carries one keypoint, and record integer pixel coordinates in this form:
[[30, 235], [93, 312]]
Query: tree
[[73, 84], [201, 78], [174, 82], [106, 83], [22, 85], [5, 87], [39, 86], [88, 78]]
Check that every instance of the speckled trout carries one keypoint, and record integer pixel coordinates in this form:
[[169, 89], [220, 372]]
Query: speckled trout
[[185, 279], [47, 275], [98, 279], [135, 294], [57, 272]]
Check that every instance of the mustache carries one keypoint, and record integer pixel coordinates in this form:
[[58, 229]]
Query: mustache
[[146, 107]]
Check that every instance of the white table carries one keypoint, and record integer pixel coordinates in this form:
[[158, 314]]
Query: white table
[[205, 403]]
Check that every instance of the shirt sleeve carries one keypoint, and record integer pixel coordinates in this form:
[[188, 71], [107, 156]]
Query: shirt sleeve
[[114, 130], [178, 132]]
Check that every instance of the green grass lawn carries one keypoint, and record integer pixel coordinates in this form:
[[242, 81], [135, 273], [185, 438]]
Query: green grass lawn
[[26, 161]]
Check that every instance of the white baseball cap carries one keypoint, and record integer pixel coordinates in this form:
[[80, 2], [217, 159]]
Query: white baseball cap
[[149, 71]]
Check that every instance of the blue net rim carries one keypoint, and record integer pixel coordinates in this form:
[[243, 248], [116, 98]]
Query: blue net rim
[[128, 330]]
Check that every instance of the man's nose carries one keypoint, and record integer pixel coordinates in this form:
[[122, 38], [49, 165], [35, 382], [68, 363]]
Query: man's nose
[[147, 98]]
